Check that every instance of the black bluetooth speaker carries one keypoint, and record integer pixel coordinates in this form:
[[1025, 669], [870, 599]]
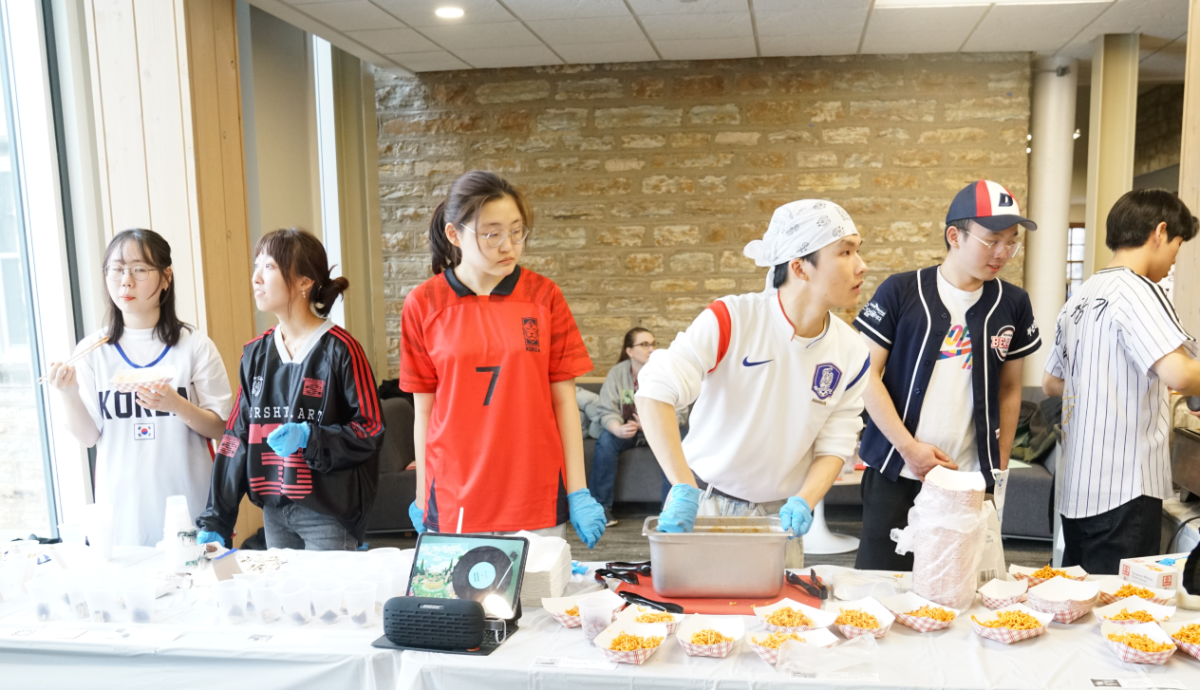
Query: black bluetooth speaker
[[452, 624]]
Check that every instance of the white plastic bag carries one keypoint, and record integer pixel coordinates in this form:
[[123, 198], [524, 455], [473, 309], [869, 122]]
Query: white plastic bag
[[992, 565], [800, 658], [946, 533]]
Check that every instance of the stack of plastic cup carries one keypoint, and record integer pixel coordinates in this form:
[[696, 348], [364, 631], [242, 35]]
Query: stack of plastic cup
[[266, 601], [231, 599], [102, 601], [139, 596], [327, 593], [295, 598], [360, 602]]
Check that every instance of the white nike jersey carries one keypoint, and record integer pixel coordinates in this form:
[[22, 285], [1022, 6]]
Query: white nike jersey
[[144, 456], [770, 405]]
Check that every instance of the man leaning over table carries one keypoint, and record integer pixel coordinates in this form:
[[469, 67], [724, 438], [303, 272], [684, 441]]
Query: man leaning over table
[[777, 381]]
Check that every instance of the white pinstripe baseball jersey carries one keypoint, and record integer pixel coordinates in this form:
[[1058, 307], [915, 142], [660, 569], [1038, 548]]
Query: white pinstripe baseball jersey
[[1116, 416]]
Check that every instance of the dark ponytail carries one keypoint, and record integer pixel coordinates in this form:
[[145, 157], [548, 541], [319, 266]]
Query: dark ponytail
[[156, 253], [467, 195], [630, 336], [300, 255]]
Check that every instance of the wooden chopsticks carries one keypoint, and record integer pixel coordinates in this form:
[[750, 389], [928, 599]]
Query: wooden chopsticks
[[78, 357]]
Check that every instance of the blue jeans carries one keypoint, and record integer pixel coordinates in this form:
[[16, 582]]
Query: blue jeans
[[295, 527], [604, 465]]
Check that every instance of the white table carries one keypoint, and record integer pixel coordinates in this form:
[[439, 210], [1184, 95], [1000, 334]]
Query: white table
[[204, 655]]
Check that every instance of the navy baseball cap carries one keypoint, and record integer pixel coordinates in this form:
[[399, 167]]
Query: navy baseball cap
[[988, 204]]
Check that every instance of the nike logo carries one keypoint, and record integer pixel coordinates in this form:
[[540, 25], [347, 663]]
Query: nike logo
[[747, 363]]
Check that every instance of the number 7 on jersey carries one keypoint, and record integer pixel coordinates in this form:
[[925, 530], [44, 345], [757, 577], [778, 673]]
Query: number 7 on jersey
[[495, 372]]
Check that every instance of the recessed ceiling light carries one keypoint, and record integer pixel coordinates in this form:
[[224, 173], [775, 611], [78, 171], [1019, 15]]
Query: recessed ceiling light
[[449, 12]]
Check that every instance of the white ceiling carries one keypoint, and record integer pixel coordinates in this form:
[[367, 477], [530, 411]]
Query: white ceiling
[[405, 36]]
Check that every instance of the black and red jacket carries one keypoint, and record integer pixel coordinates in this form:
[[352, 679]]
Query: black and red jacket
[[332, 389]]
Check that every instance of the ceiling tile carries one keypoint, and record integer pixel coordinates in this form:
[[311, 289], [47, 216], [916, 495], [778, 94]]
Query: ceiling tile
[[431, 61], [709, 49], [520, 56], [591, 30], [920, 30], [693, 27], [1161, 18], [531, 10], [815, 7], [1166, 65], [481, 36], [388, 41], [420, 13], [593, 53], [824, 44], [1031, 27], [645, 8], [802, 23], [348, 16], [311, 2]]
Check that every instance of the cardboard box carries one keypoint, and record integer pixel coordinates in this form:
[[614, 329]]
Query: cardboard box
[[1150, 571]]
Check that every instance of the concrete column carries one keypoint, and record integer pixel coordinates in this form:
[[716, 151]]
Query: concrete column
[[1186, 293], [1052, 124], [1111, 130]]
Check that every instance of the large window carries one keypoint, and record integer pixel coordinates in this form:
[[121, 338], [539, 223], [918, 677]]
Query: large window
[[1075, 254]]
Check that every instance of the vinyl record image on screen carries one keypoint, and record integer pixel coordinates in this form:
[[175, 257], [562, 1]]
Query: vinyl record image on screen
[[482, 571]]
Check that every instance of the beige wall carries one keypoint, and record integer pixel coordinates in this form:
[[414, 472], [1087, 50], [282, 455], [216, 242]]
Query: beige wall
[[647, 179]]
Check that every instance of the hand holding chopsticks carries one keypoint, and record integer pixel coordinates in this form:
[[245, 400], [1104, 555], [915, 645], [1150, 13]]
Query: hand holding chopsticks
[[76, 358]]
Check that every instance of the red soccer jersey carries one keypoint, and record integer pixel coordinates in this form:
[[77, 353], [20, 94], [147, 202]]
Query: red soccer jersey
[[492, 447]]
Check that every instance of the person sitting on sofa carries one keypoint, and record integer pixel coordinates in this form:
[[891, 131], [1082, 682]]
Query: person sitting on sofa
[[621, 429]]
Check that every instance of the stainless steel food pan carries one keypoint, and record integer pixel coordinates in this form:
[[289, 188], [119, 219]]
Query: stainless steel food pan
[[724, 557]]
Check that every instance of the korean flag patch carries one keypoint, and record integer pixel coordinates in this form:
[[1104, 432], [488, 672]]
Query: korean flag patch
[[143, 432]]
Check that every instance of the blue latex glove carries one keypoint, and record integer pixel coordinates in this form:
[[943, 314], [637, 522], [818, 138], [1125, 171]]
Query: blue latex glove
[[679, 512], [587, 516], [289, 438], [796, 516], [204, 537], [417, 516], [578, 568]]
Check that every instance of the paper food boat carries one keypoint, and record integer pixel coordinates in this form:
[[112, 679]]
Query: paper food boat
[[1110, 585], [1023, 573], [1133, 656], [638, 656], [1066, 599], [902, 603], [130, 380], [1008, 635], [1161, 613], [1000, 593], [729, 626], [817, 637], [820, 619], [1188, 648], [870, 605], [557, 606], [631, 613]]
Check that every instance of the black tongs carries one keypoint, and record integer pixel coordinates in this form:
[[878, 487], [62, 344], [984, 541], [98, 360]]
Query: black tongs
[[814, 588], [642, 567], [627, 576], [640, 600]]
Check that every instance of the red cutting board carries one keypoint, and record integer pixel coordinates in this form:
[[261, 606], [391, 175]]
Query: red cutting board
[[722, 607]]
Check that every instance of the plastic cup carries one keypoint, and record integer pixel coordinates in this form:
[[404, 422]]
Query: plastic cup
[[76, 588], [47, 594], [295, 598], [266, 601], [139, 596], [102, 601], [360, 602], [383, 588], [13, 574], [231, 599], [383, 555], [327, 593], [98, 518], [596, 614]]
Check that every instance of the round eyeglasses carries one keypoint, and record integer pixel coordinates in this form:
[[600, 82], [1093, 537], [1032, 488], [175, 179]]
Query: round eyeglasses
[[495, 239], [139, 273]]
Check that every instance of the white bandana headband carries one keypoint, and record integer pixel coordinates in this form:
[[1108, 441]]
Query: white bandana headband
[[798, 229]]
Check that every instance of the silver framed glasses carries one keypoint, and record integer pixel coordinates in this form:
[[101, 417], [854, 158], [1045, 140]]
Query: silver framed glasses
[[139, 273], [1010, 249], [495, 239]]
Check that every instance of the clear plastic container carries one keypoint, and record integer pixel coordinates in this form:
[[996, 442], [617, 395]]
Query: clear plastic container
[[77, 596], [360, 602], [102, 601], [231, 599], [139, 596], [327, 593], [383, 588], [295, 598], [47, 594], [596, 614], [266, 601]]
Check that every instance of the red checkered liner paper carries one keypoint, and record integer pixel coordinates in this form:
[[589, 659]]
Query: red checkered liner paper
[[820, 638], [1008, 635], [729, 626], [1189, 648], [1065, 598], [820, 618], [1001, 602], [1108, 598], [901, 604], [1024, 573], [718, 651], [921, 623], [638, 656], [567, 621], [1110, 585], [850, 632], [869, 605], [997, 594], [1133, 656], [631, 613]]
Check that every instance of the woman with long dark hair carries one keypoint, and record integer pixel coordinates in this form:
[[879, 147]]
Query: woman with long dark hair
[[490, 352], [151, 437], [303, 441]]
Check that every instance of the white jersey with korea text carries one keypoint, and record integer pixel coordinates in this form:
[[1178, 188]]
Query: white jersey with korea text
[[1116, 416], [773, 403], [144, 456]]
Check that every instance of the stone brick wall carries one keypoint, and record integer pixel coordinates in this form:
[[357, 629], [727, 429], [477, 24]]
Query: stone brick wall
[[647, 179], [1159, 129]]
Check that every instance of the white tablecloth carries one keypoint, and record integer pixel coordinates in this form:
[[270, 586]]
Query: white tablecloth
[[204, 655]]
